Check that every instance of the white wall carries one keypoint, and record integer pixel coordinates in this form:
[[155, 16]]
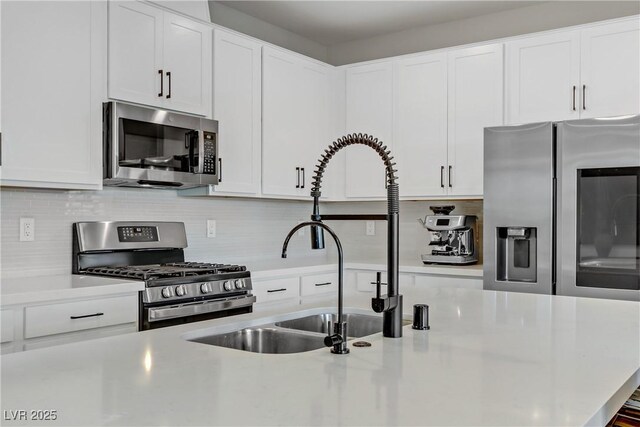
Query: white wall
[[539, 17], [241, 22]]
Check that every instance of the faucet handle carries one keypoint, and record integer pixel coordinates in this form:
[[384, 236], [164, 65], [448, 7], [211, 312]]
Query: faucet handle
[[379, 304]]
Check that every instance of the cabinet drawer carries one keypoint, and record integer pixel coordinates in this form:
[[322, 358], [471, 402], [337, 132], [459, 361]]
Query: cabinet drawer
[[276, 289], [7, 328], [318, 284], [78, 315], [366, 281]]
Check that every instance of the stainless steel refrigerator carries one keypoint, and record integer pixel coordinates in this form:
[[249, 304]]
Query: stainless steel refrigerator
[[562, 208]]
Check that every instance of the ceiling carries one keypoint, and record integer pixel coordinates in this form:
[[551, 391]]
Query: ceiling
[[333, 22]]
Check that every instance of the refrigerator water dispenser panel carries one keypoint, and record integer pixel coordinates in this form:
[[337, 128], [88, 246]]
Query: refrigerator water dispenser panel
[[516, 254]]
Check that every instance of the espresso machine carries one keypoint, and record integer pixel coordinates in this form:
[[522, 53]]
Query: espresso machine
[[453, 239]]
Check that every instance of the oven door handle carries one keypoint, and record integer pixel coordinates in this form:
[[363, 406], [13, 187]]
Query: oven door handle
[[162, 313]]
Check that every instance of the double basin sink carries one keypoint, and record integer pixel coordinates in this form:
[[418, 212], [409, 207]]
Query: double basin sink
[[293, 335]]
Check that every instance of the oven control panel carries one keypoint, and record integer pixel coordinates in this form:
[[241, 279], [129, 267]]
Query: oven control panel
[[209, 155], [138, 234]]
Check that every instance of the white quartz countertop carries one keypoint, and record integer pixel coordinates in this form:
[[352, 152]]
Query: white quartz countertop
[[490, 358], [28, 290]]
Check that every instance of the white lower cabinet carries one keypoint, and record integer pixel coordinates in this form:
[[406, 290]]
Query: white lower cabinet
[[31, 326], [319, 284], [285, 290], [366, 281], [79, 315]]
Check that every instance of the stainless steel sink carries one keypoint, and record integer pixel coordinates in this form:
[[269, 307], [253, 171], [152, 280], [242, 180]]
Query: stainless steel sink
[[358, 325], [265, 340], [292, 336]]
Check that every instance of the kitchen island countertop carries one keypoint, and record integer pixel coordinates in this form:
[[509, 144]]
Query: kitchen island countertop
[[490, 358]]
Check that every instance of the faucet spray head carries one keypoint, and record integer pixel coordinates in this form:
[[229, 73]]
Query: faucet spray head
[[317, 233]]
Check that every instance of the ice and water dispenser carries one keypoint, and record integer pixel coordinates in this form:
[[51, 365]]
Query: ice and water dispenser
[[516, 254]]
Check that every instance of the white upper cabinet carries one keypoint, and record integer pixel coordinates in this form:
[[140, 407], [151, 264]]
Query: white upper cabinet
[[237, 107], [543, 77], [135, 52], [53, 86], [589, 72], [187, 64], [295, 121], [158, 58], [475, 101], [369, 110], [610, 70], [420, 128]]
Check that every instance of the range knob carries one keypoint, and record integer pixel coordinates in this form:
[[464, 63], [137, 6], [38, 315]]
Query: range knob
[[239, 284], [205, 288], [166, 293], [181, 290], [227, 285]]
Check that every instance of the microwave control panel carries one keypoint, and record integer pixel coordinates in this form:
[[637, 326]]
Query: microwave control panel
[[209, 155]]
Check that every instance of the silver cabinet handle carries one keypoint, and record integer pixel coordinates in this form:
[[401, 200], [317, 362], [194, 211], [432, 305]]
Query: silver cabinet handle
[[276, 290], [574, 98], [304, 178], [442, 176], [297, 177], [450, 167], [584, 97]]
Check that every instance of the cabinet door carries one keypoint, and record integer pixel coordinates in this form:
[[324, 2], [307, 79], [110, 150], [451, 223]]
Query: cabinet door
[[369, 109], [135, 53], [315, 96], [187, 65], [237, 94], [543, 75], [52, 88], [475, 102], [610, 70], [294, 101], [420, 131]]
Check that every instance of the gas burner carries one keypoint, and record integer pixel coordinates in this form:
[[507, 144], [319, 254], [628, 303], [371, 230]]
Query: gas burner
[[163, 271]]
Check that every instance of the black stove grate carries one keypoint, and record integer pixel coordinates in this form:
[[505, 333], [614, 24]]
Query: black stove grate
[[163, 271]]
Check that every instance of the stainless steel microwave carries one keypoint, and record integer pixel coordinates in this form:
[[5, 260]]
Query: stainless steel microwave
[[145, 147]]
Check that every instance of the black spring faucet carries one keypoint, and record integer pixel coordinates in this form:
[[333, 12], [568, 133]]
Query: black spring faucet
[[391, 304]]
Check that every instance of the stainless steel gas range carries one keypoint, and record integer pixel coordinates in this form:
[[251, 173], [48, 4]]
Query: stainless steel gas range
[[176, 291]]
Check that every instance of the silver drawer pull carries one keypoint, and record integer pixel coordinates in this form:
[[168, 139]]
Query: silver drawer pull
[[276, 290], [323, 284], [375, 283], [86, 315]]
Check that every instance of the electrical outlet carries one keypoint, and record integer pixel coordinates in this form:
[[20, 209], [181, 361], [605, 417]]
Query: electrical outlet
[[211, 228], [371, 228], [27, 229], [301, 231]]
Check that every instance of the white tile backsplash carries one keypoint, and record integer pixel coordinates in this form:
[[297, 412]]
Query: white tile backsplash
[[246, 228]]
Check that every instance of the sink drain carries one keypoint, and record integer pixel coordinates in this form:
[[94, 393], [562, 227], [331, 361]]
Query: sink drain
[[361, 344]]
